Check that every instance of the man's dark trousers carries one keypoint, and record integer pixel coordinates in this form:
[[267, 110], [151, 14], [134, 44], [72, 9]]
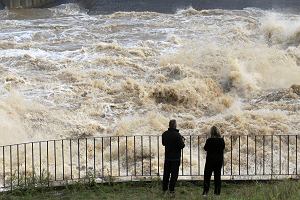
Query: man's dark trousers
[[171, 167]]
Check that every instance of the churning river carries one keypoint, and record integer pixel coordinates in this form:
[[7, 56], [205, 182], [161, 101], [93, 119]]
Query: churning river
[[65, 73]]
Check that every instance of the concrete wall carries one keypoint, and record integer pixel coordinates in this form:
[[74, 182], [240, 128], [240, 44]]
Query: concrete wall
[[26, 3], [108, 6], [171, 6]]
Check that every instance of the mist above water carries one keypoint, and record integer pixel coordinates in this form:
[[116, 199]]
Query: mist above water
[[65, 73]]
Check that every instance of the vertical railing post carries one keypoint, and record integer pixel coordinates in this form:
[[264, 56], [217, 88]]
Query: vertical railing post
[[54, 146], [288, 157], [198, 151], [10, 166], [272, 152], [40, 155], [263, 155], [126, 148], [142, 152], [32, 161], [63, 159], [223, 164], [150, 155], [182, 162], [94, 154], [134, 158], [18, 164], [25, 164], [247, 155], [102, 159], [239, 155], [296, 154], [280, 154], [191, 156], [3, 155], [86, 159], [158, 155], [255, 155], [78, 157], [231, 155], [71, 160], [119, 156], [48, 178], [110, 158]]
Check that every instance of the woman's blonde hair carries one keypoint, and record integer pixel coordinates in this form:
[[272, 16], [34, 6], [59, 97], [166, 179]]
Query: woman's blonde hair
[[214, 132]]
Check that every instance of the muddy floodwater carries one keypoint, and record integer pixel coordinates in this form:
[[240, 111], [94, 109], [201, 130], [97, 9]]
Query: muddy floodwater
[[65, 73]]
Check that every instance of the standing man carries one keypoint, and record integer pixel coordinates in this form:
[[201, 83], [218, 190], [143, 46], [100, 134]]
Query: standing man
[[173, 142]]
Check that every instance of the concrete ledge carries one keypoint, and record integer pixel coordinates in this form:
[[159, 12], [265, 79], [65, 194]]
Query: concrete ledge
[[15, 4]]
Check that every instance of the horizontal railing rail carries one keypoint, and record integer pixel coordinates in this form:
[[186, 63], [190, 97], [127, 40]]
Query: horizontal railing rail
[[139, 157]]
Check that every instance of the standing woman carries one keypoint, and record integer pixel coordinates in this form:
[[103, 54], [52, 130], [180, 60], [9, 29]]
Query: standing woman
[[214, 147]]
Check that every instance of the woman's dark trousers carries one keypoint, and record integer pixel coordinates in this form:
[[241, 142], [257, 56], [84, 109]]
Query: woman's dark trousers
[[170, 168], [209, 168]]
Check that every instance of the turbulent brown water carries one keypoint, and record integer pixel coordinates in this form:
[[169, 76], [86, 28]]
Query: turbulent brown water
[[64, 73]]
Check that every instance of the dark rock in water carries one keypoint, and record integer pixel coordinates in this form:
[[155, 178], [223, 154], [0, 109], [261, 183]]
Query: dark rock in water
[[286, 94], [296, 89], [84, 94], [280, 95]]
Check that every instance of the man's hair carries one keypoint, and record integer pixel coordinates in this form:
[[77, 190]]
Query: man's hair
[[214, 132], [172, 123]]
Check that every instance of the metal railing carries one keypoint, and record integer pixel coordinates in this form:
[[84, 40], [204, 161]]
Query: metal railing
[[121, 158]]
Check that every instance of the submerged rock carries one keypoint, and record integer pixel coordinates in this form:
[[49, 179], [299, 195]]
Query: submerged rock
[[84, 94], [296, 89], [280, 95]]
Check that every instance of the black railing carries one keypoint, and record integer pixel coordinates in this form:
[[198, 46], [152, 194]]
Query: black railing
[[120, 158]]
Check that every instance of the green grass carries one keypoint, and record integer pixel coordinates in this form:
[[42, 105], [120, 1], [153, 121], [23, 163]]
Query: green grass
[[284, 190]]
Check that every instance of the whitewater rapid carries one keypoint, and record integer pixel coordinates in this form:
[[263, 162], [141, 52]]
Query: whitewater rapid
[[64, 73]]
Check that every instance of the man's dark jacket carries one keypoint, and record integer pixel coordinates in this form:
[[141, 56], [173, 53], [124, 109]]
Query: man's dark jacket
[[215, 150], [173, 142]]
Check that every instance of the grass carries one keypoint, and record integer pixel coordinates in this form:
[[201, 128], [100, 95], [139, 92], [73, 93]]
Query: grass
[[285, 190]]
